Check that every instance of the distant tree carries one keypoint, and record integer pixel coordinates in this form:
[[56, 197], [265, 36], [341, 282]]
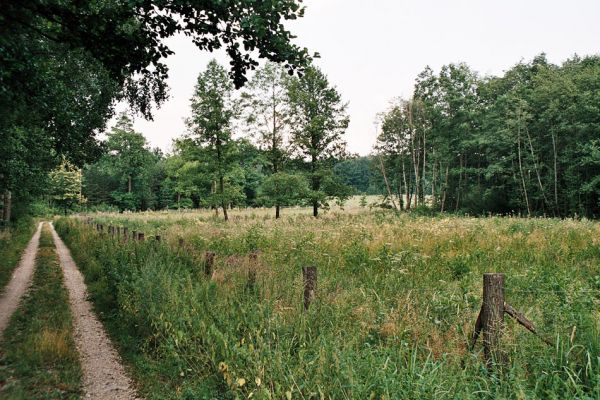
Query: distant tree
[[213, 112], [128, 175], [318, 123], [267, 115], [358, 173], [65, 186], [282, 189], [65, 64]]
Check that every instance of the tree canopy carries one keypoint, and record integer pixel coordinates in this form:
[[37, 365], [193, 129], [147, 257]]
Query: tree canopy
[[64, 65]]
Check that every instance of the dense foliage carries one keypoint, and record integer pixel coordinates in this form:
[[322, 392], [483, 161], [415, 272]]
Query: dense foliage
[[64, 65], [240, 150], [526, 142]]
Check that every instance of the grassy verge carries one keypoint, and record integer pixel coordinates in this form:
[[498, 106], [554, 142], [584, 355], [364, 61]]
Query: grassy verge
[[396, 302], [12, 244], [38, 356]]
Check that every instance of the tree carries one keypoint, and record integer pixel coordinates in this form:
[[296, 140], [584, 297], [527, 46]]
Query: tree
[[64, 65], [318, 121], [267, 115], [124, 175], [65, 186], [127, 38], [359, 173], [213, 111], [282, 189]]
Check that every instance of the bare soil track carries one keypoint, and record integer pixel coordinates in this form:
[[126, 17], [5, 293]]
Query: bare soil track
[[103, 374], [20, 281]]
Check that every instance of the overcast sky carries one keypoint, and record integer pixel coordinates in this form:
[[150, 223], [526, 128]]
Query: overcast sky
[[372, 50]]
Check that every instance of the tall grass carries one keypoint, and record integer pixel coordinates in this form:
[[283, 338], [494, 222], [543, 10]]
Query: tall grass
[[397, 300], [13, 241]]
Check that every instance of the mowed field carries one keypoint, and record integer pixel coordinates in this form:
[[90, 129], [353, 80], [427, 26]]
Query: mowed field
[[396, 302]]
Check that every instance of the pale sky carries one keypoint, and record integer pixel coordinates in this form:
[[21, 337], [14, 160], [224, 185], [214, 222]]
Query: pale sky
[[373, 50]]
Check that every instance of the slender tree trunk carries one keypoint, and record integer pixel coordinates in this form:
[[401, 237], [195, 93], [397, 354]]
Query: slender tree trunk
[[406, 185], [521, 171], [222, 192], [415, 166], [423, 171], [274, 153], [128, 183], [459, 188], [387, 185], [413, 151], [556, 208], [316, 184], [445, 190], [433, 182], [535, 166], [178, 200], [399, 190]]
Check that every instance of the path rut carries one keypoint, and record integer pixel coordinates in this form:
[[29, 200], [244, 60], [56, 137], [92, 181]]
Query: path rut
[[20, 281], [103, 374]]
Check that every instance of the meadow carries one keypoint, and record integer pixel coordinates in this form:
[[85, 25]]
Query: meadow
[[396, 303]]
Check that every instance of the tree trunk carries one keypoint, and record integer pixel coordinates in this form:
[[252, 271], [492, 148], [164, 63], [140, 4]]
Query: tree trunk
[[459, 188], [315, 183], [406, 185], [445, 190], [423, 171], [535, 166], [222, 192], [128, 183], [557, 210], [415, 162], [387, 185], [521, 172], [277, 211], [433, 199]]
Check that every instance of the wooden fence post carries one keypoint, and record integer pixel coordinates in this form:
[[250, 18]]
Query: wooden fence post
[[209, 261], [134, 235], [310, 284], [141, 236], [492, 317], [125, 233]]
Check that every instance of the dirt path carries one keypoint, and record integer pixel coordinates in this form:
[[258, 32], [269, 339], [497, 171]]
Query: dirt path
[[20, 281], [103, 374]]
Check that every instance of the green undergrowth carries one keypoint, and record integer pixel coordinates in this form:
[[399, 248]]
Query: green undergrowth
[[38, 356], [396, 302], [13, 241]]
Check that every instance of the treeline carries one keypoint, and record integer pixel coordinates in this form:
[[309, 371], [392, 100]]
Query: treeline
[[65, 64], [278, 143], [526, 142], [174, 181]]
